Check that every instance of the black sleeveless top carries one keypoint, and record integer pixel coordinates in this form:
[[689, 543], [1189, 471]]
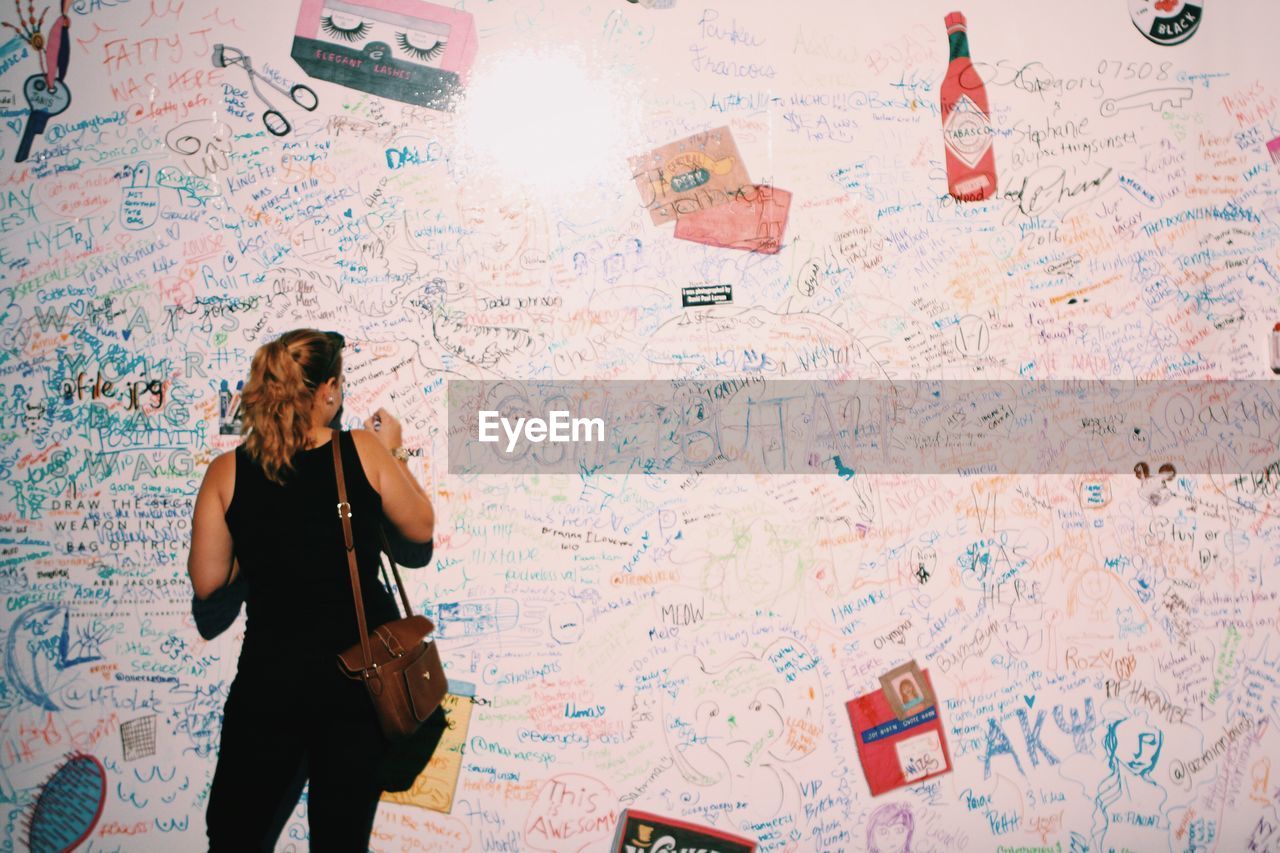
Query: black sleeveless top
[[299, 606]]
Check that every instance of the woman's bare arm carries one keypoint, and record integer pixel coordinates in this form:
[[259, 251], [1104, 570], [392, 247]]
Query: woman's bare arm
[[404, 501], [211, 563]]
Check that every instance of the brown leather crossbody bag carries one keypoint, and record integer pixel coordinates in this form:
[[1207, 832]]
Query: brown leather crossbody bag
[[399, 662]]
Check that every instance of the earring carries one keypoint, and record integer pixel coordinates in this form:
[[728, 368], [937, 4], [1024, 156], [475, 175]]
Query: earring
[[330, 399]]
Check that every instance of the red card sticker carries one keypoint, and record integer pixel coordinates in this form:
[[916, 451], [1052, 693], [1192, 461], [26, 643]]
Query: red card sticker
[[897, 752], [754, 219]]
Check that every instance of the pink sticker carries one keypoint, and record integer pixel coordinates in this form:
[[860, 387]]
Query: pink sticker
[[754, 220]]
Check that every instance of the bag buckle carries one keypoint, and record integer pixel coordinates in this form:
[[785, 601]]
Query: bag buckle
[[364, 673], [390, 642], [341, 514]]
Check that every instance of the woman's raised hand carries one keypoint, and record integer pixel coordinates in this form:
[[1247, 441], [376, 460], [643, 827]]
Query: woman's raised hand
[[384, 425]]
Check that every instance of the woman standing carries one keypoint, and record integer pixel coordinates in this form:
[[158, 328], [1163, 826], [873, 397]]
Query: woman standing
[[269, 510]]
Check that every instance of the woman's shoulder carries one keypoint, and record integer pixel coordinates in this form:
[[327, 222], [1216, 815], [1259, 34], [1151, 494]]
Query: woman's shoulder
[[363, 438], [221, 475], [224, 463], [370, 452]]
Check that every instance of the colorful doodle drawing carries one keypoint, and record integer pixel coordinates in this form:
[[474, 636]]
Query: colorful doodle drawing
[[68, 806], [46, 93], [738, 742]]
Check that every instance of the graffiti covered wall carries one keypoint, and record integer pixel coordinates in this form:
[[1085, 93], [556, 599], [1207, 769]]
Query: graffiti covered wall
[[659, 190]]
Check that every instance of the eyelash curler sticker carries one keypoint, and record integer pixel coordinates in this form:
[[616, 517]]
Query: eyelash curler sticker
[[406, 50]]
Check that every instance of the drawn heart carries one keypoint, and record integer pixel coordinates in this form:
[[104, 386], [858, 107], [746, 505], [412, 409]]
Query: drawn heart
[[126, 333], [1030, 700], [347, 213]]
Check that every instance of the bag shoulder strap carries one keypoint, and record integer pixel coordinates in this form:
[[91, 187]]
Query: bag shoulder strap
[[344, 513], [395, 570]]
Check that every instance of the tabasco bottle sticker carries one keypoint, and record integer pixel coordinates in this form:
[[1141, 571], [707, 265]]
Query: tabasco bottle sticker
[[1165, 21], [967, 131]]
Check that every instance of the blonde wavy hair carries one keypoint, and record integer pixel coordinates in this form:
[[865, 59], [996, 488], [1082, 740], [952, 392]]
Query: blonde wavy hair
[[278, 397]]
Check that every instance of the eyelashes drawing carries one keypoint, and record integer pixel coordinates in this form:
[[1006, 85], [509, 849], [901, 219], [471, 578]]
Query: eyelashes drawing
[[359, 31], [420, 53], [362, 29]]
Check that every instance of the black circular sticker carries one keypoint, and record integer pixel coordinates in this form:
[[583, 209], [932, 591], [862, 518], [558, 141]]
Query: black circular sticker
[[1165, 21]]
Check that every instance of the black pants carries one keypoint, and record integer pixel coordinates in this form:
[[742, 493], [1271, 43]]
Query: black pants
[[275, 736]]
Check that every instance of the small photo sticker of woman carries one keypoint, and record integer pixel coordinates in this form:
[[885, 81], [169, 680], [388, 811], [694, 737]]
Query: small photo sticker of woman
[[907, 691]]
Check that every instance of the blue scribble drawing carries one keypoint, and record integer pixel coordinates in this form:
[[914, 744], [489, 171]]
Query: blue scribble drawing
[[1129, 623], [1129, 806], [88, 642], [34, 657], [173, 824], [154, 773], [200, 716], [1080, 728], [130, 797], [458, 620], [1199, 835]]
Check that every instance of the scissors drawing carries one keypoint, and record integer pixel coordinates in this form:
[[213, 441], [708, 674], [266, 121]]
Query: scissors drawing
[[275, 121]]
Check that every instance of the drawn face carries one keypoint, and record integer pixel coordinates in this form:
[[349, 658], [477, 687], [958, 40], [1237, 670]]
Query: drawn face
[[1138, 746], [726, 720], [499, 231], [891, 837], [737, 729], [1146, 753], [889, 830]]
